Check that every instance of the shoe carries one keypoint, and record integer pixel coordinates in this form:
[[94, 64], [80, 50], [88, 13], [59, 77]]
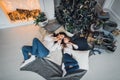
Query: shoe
[[110, 26], [32, 58], [112, 48]]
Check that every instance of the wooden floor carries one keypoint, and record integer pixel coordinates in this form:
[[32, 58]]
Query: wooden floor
[[102, 67]]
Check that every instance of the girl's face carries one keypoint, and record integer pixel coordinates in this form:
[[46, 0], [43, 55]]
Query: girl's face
[[66, 40], [60, 36]]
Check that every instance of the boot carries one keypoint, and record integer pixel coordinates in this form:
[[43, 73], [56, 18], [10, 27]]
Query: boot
[[110, 26]]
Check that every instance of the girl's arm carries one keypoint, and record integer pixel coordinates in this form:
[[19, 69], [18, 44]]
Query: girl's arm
[[74, 45]]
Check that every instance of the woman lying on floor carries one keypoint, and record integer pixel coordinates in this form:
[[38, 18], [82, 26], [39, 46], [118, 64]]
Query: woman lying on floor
[[52, 43], [69, 64]]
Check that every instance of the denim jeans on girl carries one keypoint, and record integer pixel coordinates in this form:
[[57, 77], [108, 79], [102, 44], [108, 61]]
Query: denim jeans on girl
[[71, 64], [37, 49]]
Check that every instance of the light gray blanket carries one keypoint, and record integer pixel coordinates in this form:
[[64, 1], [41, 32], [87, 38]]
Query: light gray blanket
[[51, 71]]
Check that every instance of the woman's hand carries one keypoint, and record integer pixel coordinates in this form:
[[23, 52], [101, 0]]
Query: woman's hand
[[56, 39]]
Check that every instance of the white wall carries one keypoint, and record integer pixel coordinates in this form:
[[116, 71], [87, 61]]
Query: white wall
[[113, 6], [115, 9], [3, 19], [49, 9], [47, 6], [57, 2]]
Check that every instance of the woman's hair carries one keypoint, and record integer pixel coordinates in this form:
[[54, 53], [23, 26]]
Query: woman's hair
[[56, 34], [61, 33]]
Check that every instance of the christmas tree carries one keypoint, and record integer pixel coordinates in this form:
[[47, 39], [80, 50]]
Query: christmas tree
[[76, 15], [87, 17]]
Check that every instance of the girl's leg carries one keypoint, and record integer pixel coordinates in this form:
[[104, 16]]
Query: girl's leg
[[70, 63], [39, 49], [26, 50]]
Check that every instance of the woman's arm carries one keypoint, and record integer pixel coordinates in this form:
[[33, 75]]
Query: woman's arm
[[74, 45]]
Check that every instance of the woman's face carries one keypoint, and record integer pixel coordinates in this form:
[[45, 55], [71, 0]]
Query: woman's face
[[61, 36], [66, 40]]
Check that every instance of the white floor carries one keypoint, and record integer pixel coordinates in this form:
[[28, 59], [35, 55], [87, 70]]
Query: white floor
[[102, 67]]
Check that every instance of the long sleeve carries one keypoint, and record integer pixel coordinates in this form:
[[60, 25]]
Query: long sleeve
[[56, 46], [48, 42], [50, 45], [75, 46], [68, 49]]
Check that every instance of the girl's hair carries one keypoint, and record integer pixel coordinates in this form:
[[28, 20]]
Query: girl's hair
[[63, 43], [56, 34]]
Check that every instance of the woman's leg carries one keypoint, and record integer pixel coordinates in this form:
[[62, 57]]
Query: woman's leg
[[68, 60], [70, 63], [27, 59], [39, 49], [26, 50]]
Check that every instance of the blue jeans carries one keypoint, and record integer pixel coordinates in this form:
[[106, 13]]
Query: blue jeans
[[37, 49], [69, 61]]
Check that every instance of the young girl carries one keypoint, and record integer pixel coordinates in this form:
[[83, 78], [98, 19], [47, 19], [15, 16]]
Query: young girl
[[51, 43], [69, 63], [68, 45]]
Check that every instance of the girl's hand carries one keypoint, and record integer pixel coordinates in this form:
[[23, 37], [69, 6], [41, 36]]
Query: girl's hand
[[55, 39]]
